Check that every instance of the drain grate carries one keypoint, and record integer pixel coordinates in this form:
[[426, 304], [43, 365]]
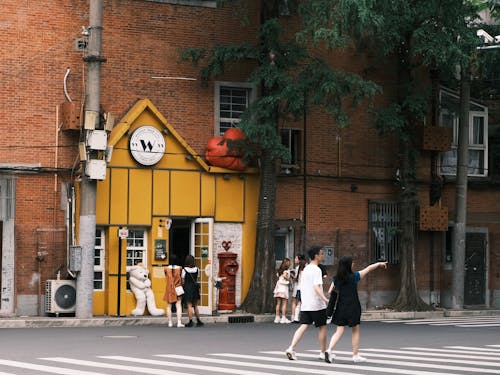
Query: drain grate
[[241, 319]]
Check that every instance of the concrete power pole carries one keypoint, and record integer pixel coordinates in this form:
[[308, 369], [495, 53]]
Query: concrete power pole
[[85, 278], [458, 276]]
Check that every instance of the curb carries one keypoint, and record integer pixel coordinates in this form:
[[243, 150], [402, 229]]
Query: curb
[[101, 321]]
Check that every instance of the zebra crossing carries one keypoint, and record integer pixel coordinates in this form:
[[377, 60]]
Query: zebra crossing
[[448, 360], [464, 322]]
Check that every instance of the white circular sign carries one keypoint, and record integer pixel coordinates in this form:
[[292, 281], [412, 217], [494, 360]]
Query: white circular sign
[[147, 145]]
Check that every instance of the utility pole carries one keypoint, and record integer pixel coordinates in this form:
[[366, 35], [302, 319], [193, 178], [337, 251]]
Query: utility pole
[[92, 142], [458, 234]]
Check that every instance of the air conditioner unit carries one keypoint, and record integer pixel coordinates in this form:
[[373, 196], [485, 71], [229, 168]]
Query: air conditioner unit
[[60, 296]]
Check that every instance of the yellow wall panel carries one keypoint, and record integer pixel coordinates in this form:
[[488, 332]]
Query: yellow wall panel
[[249, 233], [102, 201], [185, 193], [229, 199], [140, 197], [118, 207], [207, 195], [161, 190]]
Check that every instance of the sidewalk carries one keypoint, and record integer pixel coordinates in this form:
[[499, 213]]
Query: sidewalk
[[235, 317]]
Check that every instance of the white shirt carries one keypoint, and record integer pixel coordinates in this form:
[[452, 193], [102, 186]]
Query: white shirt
[[310, 300]]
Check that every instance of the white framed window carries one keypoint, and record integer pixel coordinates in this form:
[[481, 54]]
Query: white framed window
[[136, 247], [231, 100], [99, 253], [290, 138], [7, 198], [283, 245], [477, 140]]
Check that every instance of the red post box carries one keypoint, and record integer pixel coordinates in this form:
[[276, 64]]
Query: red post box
[[228, 267]]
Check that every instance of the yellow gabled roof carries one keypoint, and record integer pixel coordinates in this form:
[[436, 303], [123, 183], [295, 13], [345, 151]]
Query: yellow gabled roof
[[137, 109]]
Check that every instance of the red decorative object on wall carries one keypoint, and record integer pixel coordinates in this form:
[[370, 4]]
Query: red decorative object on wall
[[219, 155]]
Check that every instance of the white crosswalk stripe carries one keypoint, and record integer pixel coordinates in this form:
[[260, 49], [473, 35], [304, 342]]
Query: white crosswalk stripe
[[464, 322], [446, 360]]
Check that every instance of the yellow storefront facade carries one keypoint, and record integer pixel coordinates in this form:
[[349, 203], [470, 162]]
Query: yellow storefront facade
[[165, 199]]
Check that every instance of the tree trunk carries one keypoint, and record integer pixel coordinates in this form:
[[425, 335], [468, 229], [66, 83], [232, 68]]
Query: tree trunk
[[260, 297], [408, 298]]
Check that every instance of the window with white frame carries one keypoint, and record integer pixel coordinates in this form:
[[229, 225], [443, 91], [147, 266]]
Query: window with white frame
[[7, 204], [99, 251], [136, 248], [283, 244], [477, 137], [290, 138], [231, 100]]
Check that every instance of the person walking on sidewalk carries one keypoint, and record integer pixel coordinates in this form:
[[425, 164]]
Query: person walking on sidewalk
[[173, 290], [313, 306], [191, 295], [348, 310], [281, 291]]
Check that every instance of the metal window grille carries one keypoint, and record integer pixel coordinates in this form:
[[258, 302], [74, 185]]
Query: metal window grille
[[384, 218], [99, 250]]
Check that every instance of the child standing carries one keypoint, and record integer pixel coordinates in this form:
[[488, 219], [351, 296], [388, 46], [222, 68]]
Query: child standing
[[191, 290], [281, 291]]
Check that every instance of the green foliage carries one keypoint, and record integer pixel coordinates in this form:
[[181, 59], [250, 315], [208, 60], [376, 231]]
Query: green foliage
[[335, 21], [290, 79]]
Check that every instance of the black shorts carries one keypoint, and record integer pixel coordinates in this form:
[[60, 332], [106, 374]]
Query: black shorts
[[316, 317]]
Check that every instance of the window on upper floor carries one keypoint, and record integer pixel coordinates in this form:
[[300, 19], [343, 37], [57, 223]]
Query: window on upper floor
[[290, 138], [478, 136], [231, 100]]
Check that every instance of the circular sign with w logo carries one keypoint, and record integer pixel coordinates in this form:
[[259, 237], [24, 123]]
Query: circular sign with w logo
[[147, 145]]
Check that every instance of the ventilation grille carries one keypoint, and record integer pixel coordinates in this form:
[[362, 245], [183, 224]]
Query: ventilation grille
[[241, 319]]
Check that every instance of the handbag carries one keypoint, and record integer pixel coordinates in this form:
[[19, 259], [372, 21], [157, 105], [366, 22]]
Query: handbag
[[332, 303], [179, 290]]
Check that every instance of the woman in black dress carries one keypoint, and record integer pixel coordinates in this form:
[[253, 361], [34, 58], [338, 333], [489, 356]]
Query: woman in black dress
[[348, 311], [191, 295]]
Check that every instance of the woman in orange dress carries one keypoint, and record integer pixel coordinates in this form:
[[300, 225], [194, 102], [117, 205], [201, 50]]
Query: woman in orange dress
[[173, 281]]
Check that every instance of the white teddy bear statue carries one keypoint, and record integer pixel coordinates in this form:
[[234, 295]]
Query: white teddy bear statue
[[141, 287]]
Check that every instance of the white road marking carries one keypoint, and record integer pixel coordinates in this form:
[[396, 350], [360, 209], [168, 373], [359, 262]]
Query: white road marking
[[112, 366], [184, 365], [43, 368], [290, 365], [431, 352], [365, 367]]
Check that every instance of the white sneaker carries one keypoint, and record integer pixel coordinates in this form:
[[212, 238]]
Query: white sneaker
[[180, 325], [321, 356], [284, 320], [290, 353], [329, 356], [170, 324], [358, 359], [277, 319]]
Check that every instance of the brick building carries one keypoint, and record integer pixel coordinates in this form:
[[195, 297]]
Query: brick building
[[346, 202]]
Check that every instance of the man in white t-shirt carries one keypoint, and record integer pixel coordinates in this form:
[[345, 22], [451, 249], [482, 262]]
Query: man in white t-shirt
[[313, 307]]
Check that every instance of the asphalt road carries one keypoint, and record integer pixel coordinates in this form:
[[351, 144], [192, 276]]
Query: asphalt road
[[406, 347]]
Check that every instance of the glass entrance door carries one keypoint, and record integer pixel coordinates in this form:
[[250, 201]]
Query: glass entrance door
[[201, 249]]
